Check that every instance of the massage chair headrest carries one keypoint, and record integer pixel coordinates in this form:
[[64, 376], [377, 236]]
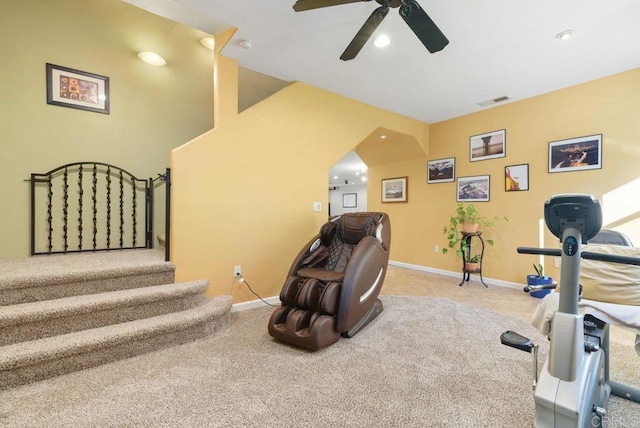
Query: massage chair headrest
[[355, 226]]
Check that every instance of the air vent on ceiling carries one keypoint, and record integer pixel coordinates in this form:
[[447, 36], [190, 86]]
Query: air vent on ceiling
[[494, 101]]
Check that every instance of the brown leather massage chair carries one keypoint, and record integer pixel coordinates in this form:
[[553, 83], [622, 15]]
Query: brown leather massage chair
[[333, 285]]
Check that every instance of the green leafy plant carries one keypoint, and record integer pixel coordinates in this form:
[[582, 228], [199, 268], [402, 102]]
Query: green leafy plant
[[474, 259], [465, 213], [539, 270]]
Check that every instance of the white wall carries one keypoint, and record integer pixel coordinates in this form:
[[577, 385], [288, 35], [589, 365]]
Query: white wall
[[335, 198]]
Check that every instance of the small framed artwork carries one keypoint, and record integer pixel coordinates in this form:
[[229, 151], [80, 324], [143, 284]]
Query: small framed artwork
[[516, 177], [77, 89], [473, 189], [441, 170], [488, 146], [395, 189], [349, 200], [576, 154]]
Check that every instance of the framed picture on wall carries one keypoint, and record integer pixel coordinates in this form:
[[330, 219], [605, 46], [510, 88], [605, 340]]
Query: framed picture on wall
[[516, 177], [473, 189], [349, 200], [576, 154], [395, 189], [488, 146], [441, 170], [67, 87]]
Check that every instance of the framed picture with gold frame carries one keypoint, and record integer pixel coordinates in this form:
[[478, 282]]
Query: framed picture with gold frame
[[395, 189]]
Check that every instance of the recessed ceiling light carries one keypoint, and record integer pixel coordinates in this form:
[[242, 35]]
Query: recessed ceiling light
[[208, 42], [564, 35], [335, 177], [382, 41], [383, 136], [152, 58], [246, 44]]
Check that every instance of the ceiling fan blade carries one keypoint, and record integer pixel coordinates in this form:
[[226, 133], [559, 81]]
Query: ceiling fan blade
[[302, 5], [426, 30], [365, 32]]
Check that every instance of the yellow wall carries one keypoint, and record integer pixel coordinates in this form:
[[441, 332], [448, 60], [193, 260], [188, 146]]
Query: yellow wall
[[153, 109], [608, 106], [243, 192]]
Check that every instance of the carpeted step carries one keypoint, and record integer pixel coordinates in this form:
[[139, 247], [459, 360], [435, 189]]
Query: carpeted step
[[26, 362], [62, 275], [36, 320]]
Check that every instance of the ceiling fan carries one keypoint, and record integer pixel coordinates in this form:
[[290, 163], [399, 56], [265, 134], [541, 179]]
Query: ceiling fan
[[415, 17]]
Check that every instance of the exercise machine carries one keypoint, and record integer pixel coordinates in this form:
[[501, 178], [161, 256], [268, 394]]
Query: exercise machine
[[573, 387]]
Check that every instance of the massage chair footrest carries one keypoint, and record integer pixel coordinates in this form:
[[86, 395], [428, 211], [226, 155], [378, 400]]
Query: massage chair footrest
[[304, 328]]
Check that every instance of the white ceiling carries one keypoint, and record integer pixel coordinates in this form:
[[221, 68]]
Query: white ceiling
[[497, 48]]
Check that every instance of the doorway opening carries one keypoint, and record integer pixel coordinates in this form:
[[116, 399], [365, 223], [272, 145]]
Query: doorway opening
[[348, 185]]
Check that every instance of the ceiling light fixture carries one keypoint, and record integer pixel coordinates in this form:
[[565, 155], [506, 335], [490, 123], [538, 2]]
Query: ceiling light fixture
[[246, 44], [564, 35], [382, 41], [208, 42], [152, 58], [383, 136]]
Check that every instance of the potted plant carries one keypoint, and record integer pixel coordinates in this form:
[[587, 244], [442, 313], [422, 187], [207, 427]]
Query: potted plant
[[539, 279], [472, 263], [465, 220]]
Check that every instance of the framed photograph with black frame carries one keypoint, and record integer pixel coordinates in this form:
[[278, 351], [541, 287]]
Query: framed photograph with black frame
[[576, 154], [516, 177], [473, 189], [349, 200], [441, 170], [488, 146], [67, 87], [395, 189]]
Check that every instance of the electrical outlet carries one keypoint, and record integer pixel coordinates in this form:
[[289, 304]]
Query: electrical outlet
[[556, 262], [436, 249], [237, 270]]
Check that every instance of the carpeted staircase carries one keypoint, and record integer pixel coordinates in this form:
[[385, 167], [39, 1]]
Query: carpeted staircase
[[63, 313]]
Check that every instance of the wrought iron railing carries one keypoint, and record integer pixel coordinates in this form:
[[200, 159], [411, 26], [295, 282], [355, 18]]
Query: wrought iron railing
[[93, 206]]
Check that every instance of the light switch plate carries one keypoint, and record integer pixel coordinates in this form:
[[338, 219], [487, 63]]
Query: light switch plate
[[317, 206]]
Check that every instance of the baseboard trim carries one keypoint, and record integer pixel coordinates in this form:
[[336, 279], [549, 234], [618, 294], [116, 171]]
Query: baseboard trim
[[474, 278], [251, 304]]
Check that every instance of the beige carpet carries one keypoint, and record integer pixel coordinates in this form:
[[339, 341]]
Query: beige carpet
[[424, 362]]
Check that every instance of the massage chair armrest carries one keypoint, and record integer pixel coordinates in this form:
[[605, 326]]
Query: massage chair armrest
[[363, 279]]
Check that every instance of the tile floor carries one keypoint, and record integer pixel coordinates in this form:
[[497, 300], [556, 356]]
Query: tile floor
[[410, 282]]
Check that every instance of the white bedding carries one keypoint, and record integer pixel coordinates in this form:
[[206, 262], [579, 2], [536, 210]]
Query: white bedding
[[624, 316]]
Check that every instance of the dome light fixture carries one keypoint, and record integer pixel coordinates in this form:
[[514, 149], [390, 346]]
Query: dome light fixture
[[152, 58], [564, 35], [246, 44], [382, 41], [208, 42]]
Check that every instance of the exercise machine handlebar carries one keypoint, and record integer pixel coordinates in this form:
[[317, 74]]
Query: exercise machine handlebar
[[585, 255]]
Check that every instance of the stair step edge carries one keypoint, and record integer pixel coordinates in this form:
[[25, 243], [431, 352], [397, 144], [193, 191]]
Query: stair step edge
[[18, 282], [50, 348], [82, 304]]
